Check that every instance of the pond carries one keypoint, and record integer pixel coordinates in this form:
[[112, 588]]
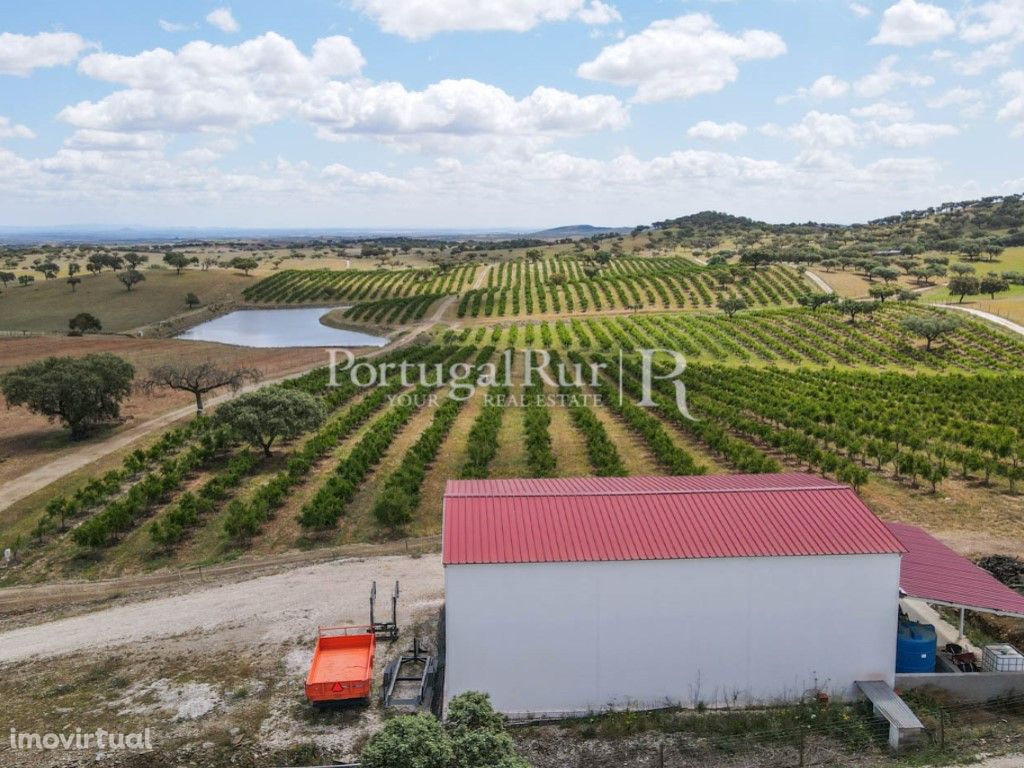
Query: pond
[[279, 328]]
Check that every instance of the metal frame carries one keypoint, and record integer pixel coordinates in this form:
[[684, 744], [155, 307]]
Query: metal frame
[[425, 676], [388, 629]]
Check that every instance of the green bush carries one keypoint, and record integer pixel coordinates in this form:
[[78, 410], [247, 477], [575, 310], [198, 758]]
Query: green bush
[[409, 741]]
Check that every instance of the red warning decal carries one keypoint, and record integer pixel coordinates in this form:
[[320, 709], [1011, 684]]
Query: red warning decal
[[337, 688]]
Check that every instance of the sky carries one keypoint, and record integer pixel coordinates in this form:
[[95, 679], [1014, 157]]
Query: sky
[[523, 114]]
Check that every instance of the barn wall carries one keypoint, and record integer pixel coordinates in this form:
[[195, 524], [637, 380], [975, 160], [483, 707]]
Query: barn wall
[[576, 637]]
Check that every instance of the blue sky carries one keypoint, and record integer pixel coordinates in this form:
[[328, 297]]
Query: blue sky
[[506, 113]]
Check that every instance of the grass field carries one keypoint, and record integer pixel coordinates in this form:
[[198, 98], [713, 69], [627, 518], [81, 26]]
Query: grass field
[[47, 305]]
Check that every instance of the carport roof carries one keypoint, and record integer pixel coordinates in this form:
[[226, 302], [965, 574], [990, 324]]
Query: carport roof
[[656, 518], [933, 572]]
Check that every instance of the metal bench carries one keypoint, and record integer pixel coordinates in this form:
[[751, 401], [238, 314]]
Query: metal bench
[[903, 723]]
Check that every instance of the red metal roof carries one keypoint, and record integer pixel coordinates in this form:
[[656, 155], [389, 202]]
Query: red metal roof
[[932, 571], [656, 518]]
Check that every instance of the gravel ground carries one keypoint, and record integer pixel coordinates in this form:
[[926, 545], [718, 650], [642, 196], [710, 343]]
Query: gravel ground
[[270, 609]]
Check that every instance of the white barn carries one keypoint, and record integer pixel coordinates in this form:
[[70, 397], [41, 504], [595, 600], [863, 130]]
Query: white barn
[[568, 596]]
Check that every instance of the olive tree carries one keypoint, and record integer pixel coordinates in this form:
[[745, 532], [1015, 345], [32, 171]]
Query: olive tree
[[731, 305], [270, 414], [814, 300], [930, 327], [77, 391], [993, 284], [852, 307]]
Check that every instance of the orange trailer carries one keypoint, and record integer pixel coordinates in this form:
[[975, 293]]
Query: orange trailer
[[342, 667]]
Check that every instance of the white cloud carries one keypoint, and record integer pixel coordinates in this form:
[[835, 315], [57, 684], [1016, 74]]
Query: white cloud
[[860, 10], [818, 129], [114, 141], [885, 78], [20, 54], [999, 26], [909, 135], [9, 130], [679, 58], [884, 111], [910, 22], [828, 87], [172, 26], [222, 19], [140, 186], [1013, 84], [204, 87], [712, 131], [420, 19], [992, 21], [339, 175], [965, 98], [998, 54], [210, 87], [888, 126], [598, 13], [459, 107], [825, 87]]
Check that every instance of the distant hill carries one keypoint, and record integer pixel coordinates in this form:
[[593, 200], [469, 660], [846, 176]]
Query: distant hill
[[577, 230]]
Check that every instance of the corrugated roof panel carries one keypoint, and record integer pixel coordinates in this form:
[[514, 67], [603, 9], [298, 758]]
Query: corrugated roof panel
[[932, 571], [605, 486], [656, 518]]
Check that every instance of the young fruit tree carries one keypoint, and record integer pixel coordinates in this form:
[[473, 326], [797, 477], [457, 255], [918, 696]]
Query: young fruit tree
[[79, 392], [199, 379], [270, 414]]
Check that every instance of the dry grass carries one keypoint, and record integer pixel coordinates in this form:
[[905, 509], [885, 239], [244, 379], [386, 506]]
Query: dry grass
[[357, 523], [447, 466]]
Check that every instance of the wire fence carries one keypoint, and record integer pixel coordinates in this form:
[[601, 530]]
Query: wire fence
[[862, 740]]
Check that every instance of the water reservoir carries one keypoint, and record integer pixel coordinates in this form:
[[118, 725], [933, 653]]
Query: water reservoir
[[915, 647]]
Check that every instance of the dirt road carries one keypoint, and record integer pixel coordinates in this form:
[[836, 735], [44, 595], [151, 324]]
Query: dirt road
[[17, 489], [819, 281], [268, 609], [994, 319]]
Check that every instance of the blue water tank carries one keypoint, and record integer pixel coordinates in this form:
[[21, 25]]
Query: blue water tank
[[915, 647]]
